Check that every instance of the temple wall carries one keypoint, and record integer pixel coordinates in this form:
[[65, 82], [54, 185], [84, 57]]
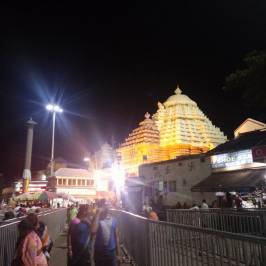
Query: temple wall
[[178, 175]]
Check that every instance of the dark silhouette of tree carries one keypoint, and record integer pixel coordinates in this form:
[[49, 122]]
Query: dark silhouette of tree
[[250, 82]]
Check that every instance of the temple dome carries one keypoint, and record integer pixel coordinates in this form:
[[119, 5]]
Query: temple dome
[[178, 98]]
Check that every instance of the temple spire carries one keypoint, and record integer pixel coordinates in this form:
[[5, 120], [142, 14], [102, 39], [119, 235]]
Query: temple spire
[[147, 115], [178, 90]]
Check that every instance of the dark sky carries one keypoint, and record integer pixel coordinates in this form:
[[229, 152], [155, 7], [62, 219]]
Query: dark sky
[[109, 63]]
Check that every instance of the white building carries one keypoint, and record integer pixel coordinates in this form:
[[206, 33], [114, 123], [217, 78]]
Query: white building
[[78, 183], [249, 125], [173, 179]]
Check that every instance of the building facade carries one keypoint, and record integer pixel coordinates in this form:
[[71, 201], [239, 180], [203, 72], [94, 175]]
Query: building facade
[[79, 183], [173, 179], [238, 165]]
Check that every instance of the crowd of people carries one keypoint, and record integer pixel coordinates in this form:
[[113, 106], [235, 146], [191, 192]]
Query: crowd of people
[[17, 210], [92, 236], [34, 243]]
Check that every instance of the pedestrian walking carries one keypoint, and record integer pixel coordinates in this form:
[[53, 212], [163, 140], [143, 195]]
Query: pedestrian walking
[[106, 248], [79, 239]]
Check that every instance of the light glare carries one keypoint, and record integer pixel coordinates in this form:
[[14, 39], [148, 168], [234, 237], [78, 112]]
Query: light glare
[[54, 108], [49, 107]]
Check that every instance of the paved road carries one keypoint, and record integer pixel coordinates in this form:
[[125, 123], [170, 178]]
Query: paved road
[[59, 252]]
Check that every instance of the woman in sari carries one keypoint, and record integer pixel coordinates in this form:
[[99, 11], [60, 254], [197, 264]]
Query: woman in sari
[[29, 247]]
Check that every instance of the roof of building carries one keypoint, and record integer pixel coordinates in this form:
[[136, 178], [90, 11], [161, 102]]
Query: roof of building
[[72, 172], [239, 180], [259, 123], [244, 141], [177, 159]]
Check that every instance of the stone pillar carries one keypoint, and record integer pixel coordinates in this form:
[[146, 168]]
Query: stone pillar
[[27, 172]]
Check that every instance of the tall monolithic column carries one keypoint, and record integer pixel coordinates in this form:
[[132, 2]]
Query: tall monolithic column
[[27, 166]]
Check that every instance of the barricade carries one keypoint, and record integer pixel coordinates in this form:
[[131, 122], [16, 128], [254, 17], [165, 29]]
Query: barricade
[[55, 221], [153, 243], [251, 221]]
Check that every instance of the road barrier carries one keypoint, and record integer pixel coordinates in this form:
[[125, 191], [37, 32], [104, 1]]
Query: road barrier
[[153, 243], [251, 221], [55, 221]]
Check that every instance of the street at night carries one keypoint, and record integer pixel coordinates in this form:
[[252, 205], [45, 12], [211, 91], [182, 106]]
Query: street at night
[[133, 133]]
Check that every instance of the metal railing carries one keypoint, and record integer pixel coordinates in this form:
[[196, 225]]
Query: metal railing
[[245, 221], [55, 221], [133, 235], [153, 243]]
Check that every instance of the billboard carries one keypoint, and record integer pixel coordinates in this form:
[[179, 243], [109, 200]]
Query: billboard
[[259, 153]]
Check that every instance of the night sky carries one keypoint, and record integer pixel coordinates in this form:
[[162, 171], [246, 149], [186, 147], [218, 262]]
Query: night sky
[[109, 63]]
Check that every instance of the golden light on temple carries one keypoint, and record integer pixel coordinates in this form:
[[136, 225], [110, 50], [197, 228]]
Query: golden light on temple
[[178, 128]]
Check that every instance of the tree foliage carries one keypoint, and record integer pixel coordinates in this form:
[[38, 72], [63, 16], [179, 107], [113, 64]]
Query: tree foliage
[[250, 81]]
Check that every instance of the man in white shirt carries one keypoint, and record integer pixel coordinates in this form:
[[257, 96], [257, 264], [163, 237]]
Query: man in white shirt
[[204, 205]]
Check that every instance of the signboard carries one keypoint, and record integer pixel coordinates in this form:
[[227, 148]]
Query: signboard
[[259, 153], [231, 159]]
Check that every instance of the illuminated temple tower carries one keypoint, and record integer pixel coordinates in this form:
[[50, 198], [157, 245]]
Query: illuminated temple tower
[[141, 146], [178, 128], [183, 127]]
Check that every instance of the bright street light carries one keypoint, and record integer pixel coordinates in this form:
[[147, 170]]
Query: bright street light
[[86, 159], [54, 109]]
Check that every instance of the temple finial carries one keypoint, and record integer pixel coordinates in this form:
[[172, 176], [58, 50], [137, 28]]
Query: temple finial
[[178, 90], [147, 115]]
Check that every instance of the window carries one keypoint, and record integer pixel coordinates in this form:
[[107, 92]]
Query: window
[[74, 182], [69, 182], [202, 159], [155, 167], [92, 182], [184, 182], [165, 186], [64, 182], [180, 164], [191, 166], [88, 182], [59, 181], [79, 182], [83, 182], [167, 169], [144, 158], [172, 186]]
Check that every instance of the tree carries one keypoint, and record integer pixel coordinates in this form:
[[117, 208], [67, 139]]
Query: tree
[[250, 81]]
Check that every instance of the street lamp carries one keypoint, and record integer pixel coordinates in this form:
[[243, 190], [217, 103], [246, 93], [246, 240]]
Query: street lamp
[[54, 109]]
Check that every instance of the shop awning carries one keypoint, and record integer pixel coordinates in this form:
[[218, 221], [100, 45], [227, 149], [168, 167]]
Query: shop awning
[[239, 180]]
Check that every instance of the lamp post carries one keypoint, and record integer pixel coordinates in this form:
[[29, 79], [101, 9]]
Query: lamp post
[[53, 109]]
